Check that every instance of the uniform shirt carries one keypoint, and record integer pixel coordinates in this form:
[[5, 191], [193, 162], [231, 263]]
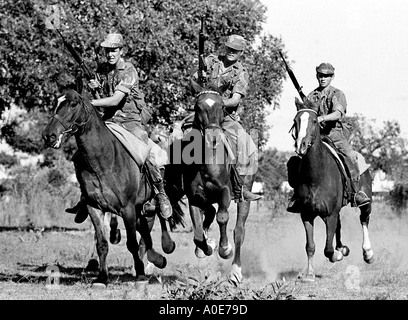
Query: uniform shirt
[[329, 99], [125, 79], [233, 79]]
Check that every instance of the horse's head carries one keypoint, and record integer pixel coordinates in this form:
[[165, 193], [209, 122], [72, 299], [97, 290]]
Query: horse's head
[[70, 115], [306, 127], [209, 114]]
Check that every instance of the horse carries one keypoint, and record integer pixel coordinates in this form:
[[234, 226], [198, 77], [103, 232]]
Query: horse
[[319, 184], [205, 179], [110, 180]]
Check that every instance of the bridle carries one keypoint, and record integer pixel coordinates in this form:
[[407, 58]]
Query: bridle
[[211, 125], [294, 122], [70, 127]]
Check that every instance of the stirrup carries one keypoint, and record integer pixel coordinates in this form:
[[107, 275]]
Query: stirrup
[[364, 202]]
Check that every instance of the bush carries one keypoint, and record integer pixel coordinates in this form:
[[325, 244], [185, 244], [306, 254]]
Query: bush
[[398, 197], [36, 197]]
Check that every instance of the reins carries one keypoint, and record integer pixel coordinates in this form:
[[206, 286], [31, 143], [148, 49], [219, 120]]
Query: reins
[[69, 127]]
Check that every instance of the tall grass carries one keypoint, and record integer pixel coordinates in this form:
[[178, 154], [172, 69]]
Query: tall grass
[[35, 197]]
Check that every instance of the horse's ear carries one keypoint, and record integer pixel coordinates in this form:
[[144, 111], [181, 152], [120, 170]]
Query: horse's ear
[[311, 105], [195, 87], [299, 104]]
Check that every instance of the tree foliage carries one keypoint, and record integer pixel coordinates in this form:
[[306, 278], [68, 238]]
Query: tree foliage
[[382, 146], [161, 40]]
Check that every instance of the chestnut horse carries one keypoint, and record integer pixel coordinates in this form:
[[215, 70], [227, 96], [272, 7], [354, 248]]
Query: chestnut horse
[[320, 188], [110, 180]]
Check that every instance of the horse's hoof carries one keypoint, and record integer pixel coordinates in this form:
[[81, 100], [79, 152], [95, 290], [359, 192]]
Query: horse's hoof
[[163, 264], [226, 252], [211, 244], [345, 251], [98, 286], [169, 249], [368, 256], [115, 237], [337, 256], [93, 265], [157, 259], [199, 253]]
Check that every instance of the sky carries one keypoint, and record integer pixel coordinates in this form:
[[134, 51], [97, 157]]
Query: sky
[[365, 40]]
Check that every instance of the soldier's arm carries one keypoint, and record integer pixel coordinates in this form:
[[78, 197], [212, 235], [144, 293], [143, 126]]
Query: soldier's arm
[[112, 101], [339, 109], [233, 101]]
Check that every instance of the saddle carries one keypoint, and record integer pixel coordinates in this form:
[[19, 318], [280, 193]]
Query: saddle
[[343, 163]]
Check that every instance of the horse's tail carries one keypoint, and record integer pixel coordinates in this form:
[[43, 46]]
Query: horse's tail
[[175, 192], [178, 202]]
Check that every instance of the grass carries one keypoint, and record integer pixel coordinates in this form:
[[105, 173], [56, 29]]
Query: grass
[[273, 254]]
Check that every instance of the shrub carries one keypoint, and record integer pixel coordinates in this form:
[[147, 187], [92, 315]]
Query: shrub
[[398, 197]]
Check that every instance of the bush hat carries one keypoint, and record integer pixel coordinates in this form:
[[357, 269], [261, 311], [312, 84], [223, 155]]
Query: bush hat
[[325, 68], [113, 40], [236, 42]]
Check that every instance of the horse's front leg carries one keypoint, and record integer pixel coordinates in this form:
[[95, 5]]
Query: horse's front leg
[[339, 245], [308, 223], [152, 256], [225, 249], [331, 227], [365, 211], [368, 253], [203, 247], [102, 246], [129, 219], [239, 235]]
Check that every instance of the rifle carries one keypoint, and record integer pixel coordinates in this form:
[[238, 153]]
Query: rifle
[[293, 78], [88, 74], [202, 67]]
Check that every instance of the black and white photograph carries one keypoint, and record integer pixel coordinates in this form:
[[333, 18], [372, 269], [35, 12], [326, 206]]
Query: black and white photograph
[[203, 155]]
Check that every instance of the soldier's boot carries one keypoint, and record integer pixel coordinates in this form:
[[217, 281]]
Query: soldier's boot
[[158, 185], [240, 190], [80, 210], [358, 197]]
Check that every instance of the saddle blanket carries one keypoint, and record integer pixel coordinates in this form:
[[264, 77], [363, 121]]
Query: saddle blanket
[[137, 149]]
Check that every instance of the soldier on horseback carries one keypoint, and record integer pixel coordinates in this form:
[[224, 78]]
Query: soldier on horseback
[[123, 103], [332, 109], [228, 74]]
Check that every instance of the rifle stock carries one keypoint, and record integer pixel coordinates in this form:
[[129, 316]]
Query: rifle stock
[[293, 78]]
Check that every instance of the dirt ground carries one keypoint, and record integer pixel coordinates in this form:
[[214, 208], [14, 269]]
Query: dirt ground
[[273, 258]]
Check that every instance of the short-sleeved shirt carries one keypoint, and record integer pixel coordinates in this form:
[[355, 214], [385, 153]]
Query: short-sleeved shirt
[[329, 99], [125, 79], [233, 79]]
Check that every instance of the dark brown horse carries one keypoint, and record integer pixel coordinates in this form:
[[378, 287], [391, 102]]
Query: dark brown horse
[[205, 167], [109, 178], [320, 188]]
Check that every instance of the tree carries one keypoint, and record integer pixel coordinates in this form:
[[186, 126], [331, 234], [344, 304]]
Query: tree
[[382, 147], [161, 39], [272, 170]]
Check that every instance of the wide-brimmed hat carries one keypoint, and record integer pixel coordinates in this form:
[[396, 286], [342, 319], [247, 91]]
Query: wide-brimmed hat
[[236, 42], [325, 68], [113, 40]]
